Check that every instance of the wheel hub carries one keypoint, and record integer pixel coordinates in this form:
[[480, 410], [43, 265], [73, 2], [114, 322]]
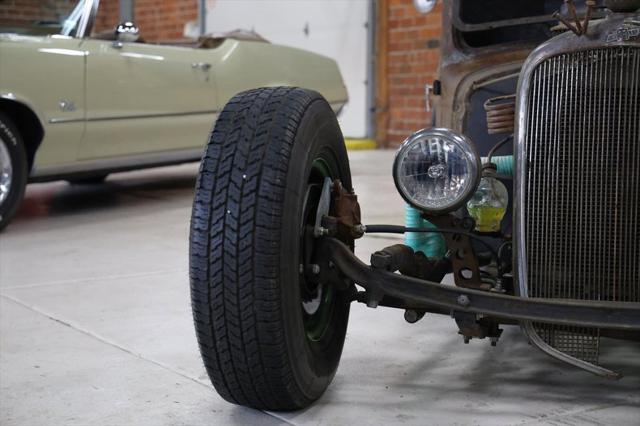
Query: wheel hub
[[317, 294], [6, 172]]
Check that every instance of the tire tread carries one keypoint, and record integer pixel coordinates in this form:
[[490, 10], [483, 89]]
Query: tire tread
[[234, 248]]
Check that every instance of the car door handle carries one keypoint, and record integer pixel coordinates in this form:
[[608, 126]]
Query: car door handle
[[202, 65]]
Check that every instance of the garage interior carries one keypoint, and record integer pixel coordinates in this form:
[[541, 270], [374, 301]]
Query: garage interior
[[95, 316]]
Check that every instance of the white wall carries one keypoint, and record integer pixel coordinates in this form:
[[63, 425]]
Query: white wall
[[335, 28]]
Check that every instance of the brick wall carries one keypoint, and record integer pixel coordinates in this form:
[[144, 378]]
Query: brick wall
[[412, 59], [159, 20], [28, 11]]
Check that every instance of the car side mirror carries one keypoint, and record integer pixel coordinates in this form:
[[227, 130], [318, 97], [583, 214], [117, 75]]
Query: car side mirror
[[127, 32]]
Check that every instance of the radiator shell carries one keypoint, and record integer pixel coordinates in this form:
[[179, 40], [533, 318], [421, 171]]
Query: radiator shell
[[577, 181]]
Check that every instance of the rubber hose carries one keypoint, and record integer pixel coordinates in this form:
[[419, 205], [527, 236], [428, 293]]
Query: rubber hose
[[432, 245], [504, 163]]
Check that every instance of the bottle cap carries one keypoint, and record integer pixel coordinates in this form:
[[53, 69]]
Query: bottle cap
[[489, 169]]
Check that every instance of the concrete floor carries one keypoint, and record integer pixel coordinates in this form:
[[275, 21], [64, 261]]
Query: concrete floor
[[96, 328]]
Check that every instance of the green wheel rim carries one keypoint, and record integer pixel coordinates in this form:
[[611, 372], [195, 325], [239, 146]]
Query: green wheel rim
[[316, 313]]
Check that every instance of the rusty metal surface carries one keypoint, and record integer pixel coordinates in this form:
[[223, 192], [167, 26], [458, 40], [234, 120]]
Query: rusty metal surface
[[344, 216], [460, 69], [572, 22], [466, 269]]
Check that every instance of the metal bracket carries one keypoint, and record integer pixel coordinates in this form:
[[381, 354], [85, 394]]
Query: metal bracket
[[466, 269]]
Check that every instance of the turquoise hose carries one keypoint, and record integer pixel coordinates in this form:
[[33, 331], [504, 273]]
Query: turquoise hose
[[433, 245], [504, 163]]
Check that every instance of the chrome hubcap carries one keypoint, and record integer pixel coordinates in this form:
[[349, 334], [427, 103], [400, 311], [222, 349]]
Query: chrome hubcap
[[6, 172]]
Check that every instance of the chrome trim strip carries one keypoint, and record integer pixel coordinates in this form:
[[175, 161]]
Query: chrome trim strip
[[564, 43], [133, 117], [131, 162], [65, 120]]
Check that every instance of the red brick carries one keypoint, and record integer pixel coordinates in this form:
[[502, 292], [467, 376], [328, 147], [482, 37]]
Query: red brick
[[410, 65], [159, 20]]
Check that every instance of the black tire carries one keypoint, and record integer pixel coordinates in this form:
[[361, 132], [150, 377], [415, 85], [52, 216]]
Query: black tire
[[258, 346], [13, 147], [90, 180]]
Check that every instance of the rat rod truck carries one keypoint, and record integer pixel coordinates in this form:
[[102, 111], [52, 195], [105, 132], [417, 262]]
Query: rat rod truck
[[545, 236]]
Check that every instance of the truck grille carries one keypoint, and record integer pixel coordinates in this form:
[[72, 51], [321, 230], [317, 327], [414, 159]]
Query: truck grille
[[582, 185]]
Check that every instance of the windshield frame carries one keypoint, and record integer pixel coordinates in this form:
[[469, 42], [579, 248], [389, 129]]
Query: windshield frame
[[465, 27], [87, 19]]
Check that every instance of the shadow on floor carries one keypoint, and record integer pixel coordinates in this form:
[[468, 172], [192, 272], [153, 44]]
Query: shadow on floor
[[57, 199], [515, 368]]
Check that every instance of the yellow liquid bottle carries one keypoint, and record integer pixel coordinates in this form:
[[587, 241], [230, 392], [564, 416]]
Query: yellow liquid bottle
[[489, 203]]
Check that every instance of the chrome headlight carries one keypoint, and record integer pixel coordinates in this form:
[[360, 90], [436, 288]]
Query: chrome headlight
[[436, 170]]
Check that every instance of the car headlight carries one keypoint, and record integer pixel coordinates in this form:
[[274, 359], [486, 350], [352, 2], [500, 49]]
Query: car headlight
[[436, 170]]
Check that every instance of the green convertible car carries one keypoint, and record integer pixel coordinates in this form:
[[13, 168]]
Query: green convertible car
[[78, 102]]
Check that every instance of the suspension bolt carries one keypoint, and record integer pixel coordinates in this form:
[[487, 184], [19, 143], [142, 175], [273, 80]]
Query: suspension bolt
[[463, 300], [498, 288], [320, 231], [358, 230]]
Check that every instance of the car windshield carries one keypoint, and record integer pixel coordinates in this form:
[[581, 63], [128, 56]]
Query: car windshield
[[42, 18]]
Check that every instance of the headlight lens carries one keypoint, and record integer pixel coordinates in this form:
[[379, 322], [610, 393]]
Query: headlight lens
[[436, 170]]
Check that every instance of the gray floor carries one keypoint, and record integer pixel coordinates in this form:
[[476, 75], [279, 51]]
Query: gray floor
[[96, 328]]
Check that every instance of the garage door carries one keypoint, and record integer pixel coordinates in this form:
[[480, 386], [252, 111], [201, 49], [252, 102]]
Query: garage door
[[335, 28]]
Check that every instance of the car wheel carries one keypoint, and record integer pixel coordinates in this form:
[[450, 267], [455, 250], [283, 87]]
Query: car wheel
[[13, 170], [269, 337], [92, 180]]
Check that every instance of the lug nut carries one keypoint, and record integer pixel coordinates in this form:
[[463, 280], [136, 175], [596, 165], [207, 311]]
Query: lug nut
[[319, 232], [310, 269]]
